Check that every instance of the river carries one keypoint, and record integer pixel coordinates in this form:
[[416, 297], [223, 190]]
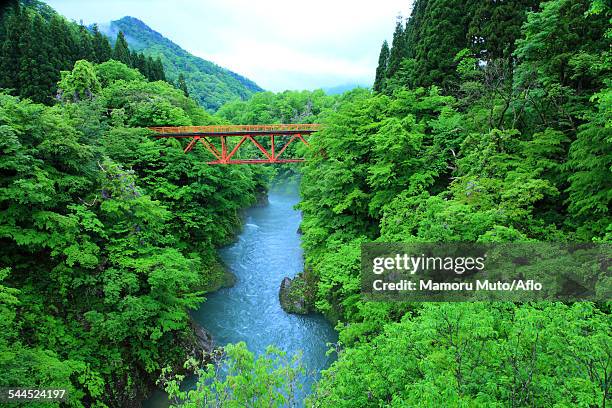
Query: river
[[267, 250]]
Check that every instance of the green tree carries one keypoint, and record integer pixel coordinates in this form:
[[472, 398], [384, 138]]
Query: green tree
[[495, 27], [111, 71], [85, 44], [398, 49], [562, 62], [139, 62], [81, 83], [590, 163], [61, 54], [14, 25], [477, 355], [149, 73], [182, 85], [381, 69], [240, 379], [121, 52], [413, 27], [442, 35], [109, 214], [157, 70], [36, 75], [101, 46]]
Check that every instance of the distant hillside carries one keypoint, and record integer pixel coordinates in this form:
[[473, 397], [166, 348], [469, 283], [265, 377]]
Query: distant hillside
[[210, 84], [340, 89]]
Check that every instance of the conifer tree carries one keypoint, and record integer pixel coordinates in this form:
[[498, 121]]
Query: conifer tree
[[86, 50], [495, 27], [121, 52], [133, 59], [36, 73], [182, 85], [101, 46], [11, 51], [140, 63], [442, 35], [398, 50], [6, 7], [149, 71], [413, 27], [158, 68], [383, 61], [61, 57], [72, 41]]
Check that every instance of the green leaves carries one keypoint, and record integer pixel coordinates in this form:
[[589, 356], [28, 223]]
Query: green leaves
[[110, 71], [504, 146], [239, 379], [590, 160], [109, 233], [81, 83], [476, 355]]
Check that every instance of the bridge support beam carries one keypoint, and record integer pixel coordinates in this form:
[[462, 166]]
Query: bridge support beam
[[225, 156]]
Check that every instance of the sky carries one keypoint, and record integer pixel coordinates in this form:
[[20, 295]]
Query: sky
[[279, 44]]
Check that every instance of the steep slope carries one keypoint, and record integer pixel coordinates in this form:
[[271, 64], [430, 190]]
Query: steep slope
[[210, 84]]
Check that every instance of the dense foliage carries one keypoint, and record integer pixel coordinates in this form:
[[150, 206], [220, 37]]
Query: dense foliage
[[208, 83], [491, 123], [477, 355], [30, 63], [283, 107], [239, 379], [488, 122], [424, 49], [107, 235]]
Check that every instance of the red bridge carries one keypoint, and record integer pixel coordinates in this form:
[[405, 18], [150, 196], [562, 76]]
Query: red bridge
[[280, 137]]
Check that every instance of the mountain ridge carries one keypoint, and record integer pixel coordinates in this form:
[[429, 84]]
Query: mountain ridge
[[208, 83]]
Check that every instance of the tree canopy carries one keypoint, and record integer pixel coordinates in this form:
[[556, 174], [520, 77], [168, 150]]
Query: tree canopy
[[108, 235], [488, 122], [34, 48]]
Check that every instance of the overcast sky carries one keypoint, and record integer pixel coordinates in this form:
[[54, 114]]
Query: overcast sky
[[280, 44]]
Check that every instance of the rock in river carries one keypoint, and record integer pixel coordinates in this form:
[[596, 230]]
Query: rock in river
[[293, 295]]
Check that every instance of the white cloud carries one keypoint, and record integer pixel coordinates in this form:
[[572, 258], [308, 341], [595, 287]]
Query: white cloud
[[282, 67], [280, 44]]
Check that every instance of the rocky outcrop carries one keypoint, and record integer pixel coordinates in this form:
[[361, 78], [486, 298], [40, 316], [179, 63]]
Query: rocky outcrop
[[203, 338], [198, 344], [261, 199], [295, 295], [218, 277]]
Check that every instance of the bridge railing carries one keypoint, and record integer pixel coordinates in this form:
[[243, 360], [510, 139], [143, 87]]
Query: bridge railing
[[310, 127]]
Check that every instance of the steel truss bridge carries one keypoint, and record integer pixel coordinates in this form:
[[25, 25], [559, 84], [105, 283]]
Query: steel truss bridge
[[279, 137]]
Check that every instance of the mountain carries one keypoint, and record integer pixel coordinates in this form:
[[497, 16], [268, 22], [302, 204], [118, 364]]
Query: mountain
[[208, 83], [340, 89]]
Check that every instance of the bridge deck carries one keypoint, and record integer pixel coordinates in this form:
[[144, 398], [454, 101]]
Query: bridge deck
[[234, 130]]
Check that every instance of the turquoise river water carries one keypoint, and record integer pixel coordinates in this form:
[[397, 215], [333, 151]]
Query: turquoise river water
[[267, 250]]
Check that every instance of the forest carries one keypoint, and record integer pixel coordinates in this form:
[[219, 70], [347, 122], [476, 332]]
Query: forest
[[490, 123], [487, 122], [210, 85]]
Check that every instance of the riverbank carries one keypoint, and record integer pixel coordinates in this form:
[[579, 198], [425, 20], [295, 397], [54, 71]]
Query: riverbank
[[264, 252]]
